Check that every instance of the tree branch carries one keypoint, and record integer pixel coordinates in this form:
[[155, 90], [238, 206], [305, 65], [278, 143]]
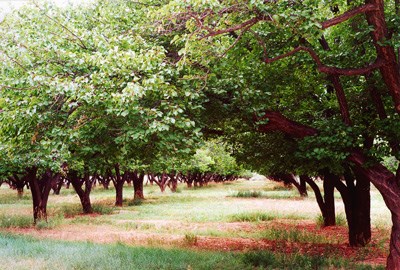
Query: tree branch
[[83, 46], [312, 53], [261, 42], [17, 88], [352, 71], [247, 24], [327, 69], [347, 15], [244, 30], [15, 61], [278, 122]]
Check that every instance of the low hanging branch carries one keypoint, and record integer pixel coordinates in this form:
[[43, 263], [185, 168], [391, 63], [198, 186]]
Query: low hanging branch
[[278, 122]]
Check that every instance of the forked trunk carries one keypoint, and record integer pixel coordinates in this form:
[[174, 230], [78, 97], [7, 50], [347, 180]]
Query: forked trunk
[[84, 195], [356, 199], [40, 193]]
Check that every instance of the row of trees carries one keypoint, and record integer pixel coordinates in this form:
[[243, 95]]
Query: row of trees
[[136, 84], [94, 96]]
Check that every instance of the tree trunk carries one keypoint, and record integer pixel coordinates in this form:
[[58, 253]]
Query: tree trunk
[[40, 192], [189, 180], [329, 188], [173, 182], [289, 179], [20, 192], [356, 199], [316, 190], [39, 213], [138, 185], [84, 195], [393, 261], [303, 188], [361, 234], [119, 186], [385, 182], [164, 181], [389, 71], [59, 186]]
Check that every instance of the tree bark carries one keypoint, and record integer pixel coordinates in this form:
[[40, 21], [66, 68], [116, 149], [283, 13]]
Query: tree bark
[[189, 180], [289, 179], [119, 186], [356, 199], [84, 195], [329, 188], [389, 71], [362, 209], [138, 185], [303, 188], [173, 183], [40, 190], [385, 182]]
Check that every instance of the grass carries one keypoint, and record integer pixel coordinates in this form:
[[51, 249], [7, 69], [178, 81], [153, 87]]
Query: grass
[[261, 216], [298, 236], [247, 194], [14, 221], [340, 220], [28, 253], [253, 217], [190, 239], [268, 260]]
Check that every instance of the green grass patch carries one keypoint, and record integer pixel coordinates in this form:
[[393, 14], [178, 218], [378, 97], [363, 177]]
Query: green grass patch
[[247, 194], [102, 209], [13, 221], [12, 198], [269, 260], [190, 239], [252, 217], [295, 235], [51, 222], [69, 210], [261, 216], [340, 220], [27, 253], [72, 210], [135, 202]]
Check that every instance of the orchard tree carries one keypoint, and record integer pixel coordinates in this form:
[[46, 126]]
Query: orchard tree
[[349, 59]]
